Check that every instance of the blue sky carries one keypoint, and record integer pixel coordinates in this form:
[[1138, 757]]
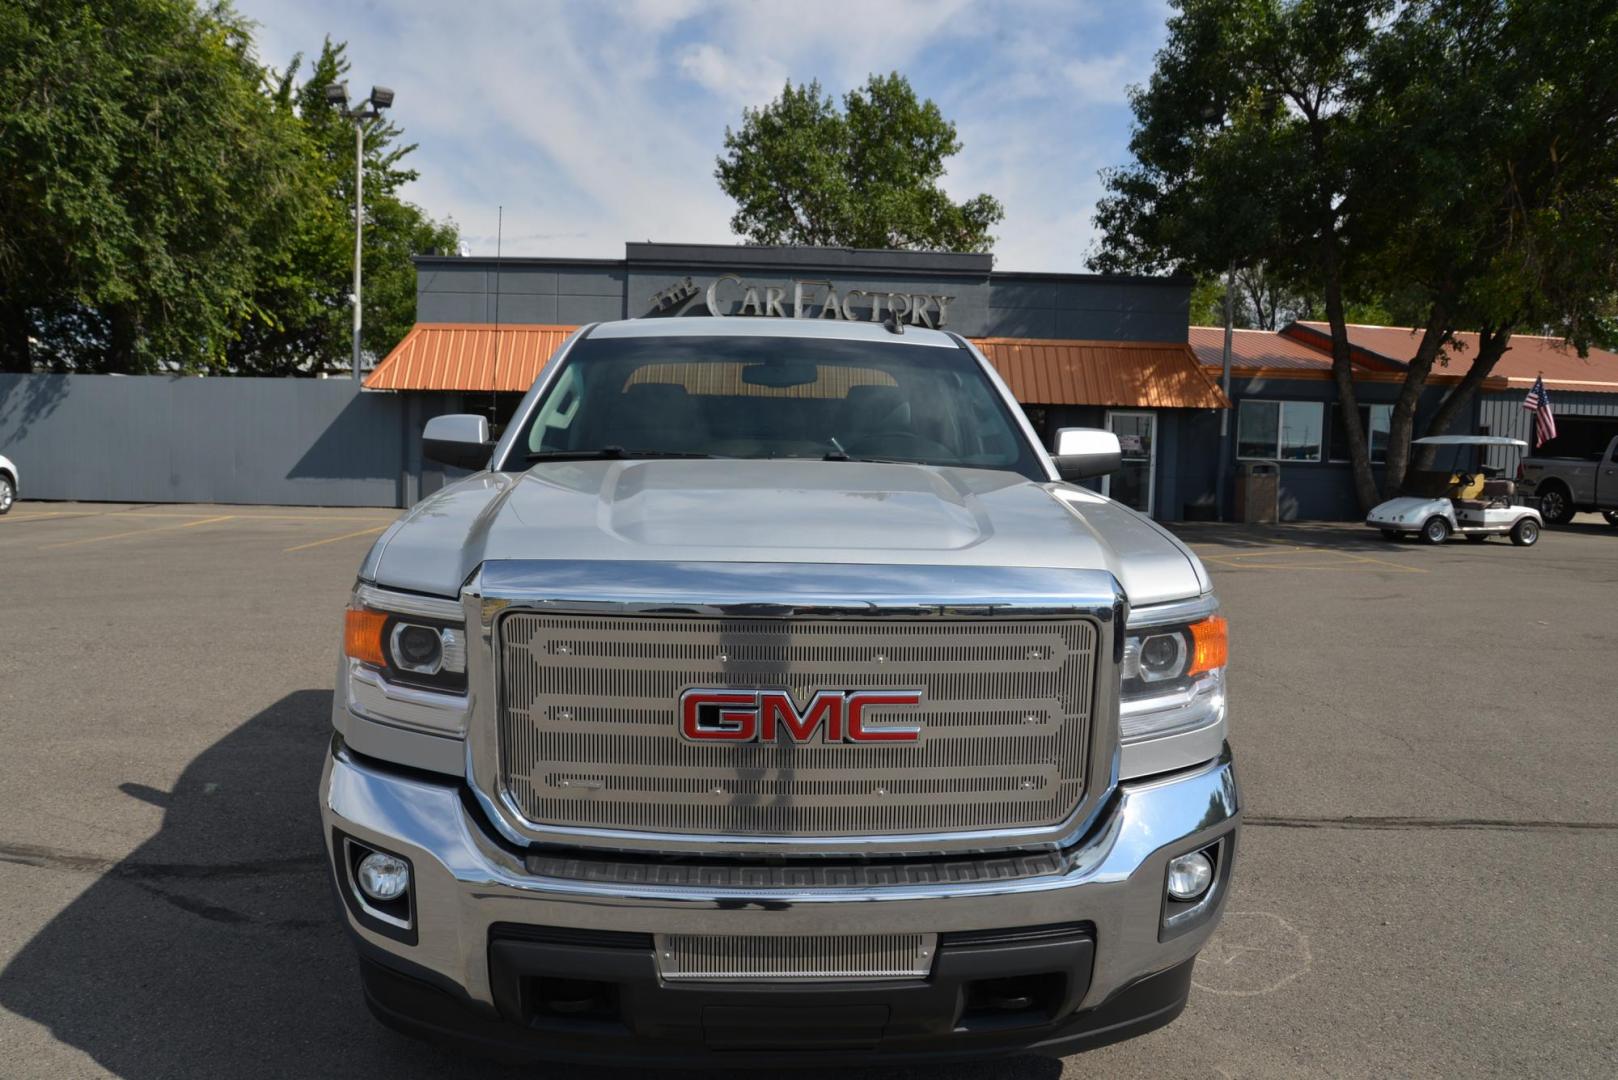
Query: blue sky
[[598, 122]]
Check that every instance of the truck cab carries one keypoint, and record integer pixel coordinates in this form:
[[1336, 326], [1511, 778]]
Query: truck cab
[[769, 690]]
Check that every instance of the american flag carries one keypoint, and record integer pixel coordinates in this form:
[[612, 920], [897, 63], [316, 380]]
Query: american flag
[[1538, 402]]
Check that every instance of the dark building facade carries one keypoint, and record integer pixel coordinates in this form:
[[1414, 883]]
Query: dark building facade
[[961, 292]]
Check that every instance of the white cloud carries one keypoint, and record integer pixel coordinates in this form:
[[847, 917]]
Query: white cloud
[[597, 123], [739, 80], [658, 15], [1105, 79]]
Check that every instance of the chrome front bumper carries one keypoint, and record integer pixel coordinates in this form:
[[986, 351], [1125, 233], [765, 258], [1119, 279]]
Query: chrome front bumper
[[465, 882]]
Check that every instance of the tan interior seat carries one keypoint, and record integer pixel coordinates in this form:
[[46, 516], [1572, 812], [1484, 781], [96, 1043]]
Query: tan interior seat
[[1466, 486]]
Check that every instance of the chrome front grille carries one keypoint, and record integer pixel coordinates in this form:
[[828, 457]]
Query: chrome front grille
[[589, 725], [761, 957]]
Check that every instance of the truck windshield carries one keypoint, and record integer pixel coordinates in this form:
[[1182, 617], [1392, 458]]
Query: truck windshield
[[774, 397]]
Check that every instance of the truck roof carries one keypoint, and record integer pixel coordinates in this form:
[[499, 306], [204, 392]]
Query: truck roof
[[756, 326], [1468, 440]]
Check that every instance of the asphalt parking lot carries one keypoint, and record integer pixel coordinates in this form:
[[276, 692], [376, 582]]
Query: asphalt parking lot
[[1425, 737]]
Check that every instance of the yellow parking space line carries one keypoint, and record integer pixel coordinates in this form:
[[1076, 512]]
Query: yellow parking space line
[[1345, 564], [334, 539], [249, 516], [169, 515], [176, 515], [136, 532], [31, 515], [1271, 553], [1385, 562]]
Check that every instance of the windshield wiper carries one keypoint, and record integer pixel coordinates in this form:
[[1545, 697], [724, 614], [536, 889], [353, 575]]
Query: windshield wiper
[[608, 453], [840, 455]]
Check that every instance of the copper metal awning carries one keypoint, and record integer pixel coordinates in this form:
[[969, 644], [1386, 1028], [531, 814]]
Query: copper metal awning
[[1139, 374], [1155, 375], [462, 356]]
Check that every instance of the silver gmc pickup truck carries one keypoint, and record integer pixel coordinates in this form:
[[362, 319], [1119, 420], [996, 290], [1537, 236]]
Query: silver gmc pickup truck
[[771, 697]]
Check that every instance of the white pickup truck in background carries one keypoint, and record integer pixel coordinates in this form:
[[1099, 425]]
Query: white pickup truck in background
[[1574, 484]]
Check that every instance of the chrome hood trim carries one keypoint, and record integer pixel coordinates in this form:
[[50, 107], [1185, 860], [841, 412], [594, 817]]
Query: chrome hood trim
[[791, 590]]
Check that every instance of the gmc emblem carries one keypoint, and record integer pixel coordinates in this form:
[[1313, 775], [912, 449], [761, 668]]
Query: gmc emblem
[[839, 716]]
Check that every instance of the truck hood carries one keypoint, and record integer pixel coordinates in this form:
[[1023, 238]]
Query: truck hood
[[777, 512]]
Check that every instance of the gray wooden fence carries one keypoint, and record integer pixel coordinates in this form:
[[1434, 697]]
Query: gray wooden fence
[[306, 442]]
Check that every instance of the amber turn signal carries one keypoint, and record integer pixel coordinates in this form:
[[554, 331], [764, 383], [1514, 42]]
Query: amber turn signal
[[1210, 645], [362, 636]]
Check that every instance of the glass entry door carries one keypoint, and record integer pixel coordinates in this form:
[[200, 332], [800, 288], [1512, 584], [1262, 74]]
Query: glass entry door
[[1133, 483]]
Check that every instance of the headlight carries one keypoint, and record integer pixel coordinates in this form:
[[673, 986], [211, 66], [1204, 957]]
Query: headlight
[[405, 660], [416, 648], [1172, 683], [1165, 658], [408, 648]]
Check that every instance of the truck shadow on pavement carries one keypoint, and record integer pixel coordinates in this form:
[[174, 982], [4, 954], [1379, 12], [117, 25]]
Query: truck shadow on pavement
[[215, 950]]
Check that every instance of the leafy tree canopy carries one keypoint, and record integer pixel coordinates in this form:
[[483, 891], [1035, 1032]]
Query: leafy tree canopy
[[303, 292], [170, 207], [803, 171], [1452, 160]]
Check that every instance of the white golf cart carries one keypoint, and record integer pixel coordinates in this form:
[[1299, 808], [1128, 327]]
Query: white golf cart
[[1477, 505]]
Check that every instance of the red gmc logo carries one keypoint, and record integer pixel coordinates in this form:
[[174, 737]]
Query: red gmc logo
[[742, 716]]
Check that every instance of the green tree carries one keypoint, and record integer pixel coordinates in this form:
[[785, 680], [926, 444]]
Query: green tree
[[141, 166], [303, 321], [804, 172], [1453, 158], [1263, 300], [1504, 119], [167, 206]]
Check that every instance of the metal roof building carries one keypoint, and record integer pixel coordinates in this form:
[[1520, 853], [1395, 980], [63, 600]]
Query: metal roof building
[[1093, 350], [1076, 349], [1285, 399]]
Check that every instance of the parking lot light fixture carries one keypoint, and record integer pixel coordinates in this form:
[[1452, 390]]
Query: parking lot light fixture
[[369, 109]]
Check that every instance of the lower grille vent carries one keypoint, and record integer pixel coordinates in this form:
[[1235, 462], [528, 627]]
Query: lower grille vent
[[760, 957]]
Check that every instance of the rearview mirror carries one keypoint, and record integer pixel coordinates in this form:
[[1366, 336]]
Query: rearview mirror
[[1082, 452], [460, 439], [780, 376]]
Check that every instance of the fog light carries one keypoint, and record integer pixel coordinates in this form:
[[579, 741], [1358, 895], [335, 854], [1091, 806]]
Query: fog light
[[383, 877], [1190, 876]]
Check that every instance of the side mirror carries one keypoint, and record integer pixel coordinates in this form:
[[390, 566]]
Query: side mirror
[[460, 439], [1082, 452]]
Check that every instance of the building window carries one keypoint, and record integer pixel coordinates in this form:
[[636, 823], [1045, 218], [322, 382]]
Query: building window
[[1279, 430], [1374, 421]]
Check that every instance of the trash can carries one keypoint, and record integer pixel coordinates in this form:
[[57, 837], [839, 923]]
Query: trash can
[[1258, 492]]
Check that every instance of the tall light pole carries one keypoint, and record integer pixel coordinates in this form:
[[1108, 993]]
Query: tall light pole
[[1224, 384], [369, 109]]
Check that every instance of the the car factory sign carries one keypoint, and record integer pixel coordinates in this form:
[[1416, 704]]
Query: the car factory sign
[[808, 299]]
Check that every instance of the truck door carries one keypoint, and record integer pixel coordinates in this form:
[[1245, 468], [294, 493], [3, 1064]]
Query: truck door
[[1606, 492], [1580, 475]]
